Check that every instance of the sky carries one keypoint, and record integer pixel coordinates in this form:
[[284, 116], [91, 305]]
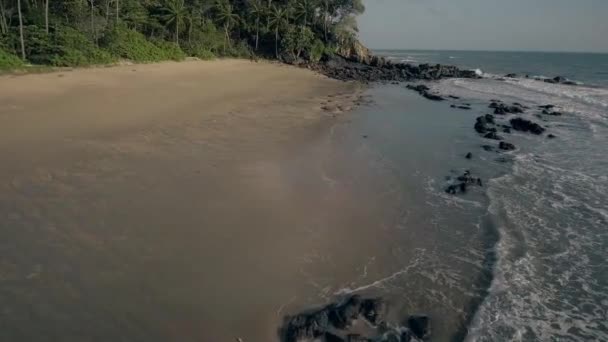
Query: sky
[[516, 25]]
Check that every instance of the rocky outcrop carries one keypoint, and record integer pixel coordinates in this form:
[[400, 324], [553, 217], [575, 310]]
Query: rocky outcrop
[[356, 52], [484, 123], [462, 183], [524, 125], [501, 108], [378, 69]]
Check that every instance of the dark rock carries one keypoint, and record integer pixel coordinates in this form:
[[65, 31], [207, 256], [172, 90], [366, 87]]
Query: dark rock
[[506, 146], [546, 112], [483, 122], [420, 326], [511, 75], [549, 80], [569, 83], [524, 125], [419, 88], [453, 97], [502, 109], [432, 97], [469, 155], [357, 338], [547, 106], [488, 148], [506, 129], [364, 136], [329, 337], [464, 107], [307, 326], [373, 309], [452, 106], [493, 136], [559, 79], [341, 316], [551, 136]]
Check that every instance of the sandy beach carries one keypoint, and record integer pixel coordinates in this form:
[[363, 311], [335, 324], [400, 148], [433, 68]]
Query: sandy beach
[[168, 202]]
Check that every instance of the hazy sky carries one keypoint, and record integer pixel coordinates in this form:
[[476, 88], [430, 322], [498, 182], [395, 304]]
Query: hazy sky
[[546, 25]]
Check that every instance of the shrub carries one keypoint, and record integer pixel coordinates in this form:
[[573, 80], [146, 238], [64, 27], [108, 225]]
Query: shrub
[[201, 52], [125, 43], [73, 48], [316, 51], [9, 61], [240, 49], [297, 39], [170, 50]]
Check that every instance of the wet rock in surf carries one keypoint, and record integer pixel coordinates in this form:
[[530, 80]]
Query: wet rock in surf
[[524, 125], [506, 146], [493, 136], [469, 155], [342, 316], [488, 148], [553, 113], [463, 182], [551, 136], [502, 109], [483, 123], [420, 326], [373, 310]]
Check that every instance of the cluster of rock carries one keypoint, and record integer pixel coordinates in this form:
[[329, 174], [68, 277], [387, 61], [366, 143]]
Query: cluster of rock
[[463, 182], [380, 69], [332, 322], [425, 91], [554, 80]]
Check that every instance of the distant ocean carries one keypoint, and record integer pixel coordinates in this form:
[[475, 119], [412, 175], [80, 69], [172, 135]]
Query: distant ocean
[[588, 68], [529, 251]]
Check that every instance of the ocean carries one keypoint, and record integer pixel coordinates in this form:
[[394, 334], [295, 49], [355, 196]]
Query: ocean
[[522, 258]]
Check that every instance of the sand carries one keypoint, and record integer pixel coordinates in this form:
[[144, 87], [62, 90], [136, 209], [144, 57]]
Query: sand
[[185, 201]]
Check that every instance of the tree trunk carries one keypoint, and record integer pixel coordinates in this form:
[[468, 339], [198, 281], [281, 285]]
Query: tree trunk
[[21, 29], [46, 16], [117, 11], [92, 21], [3, 24], [177, 31], [257, 33], [276, 41]]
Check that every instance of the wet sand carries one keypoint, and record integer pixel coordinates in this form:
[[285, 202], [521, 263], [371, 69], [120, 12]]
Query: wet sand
[[191, 201]]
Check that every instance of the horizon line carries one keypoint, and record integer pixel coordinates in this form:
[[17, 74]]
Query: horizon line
[[486, 50]]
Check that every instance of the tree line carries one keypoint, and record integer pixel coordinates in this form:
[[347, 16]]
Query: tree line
[[84, 32]]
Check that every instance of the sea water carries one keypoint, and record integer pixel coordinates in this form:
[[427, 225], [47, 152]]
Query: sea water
[[524, 257]]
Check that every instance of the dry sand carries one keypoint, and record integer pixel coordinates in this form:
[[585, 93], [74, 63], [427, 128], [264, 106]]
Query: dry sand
[[171, 202]]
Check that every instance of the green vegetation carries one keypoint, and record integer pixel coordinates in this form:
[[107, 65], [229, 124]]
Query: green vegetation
[[92, 32]]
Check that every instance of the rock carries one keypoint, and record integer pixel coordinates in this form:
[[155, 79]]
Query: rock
[[355, 52], [419, 88], [307, 326], [511, 75], [559, 79], [469, 155], [464, 107], [569, 83], [553, 113], [506, 129], [488, 148], [342, 316], [329, 337], [502, 109], [432, 97], [420, 326], [373, 309], [551, 136], [493, 136], [454, 97], [464, 181], [547, 106], [524, 125], [549, 80], [506, 146], [482, 124], [357, 338]]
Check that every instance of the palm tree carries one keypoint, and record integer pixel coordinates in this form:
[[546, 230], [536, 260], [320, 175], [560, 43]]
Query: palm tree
[[227, 17], [175, 12], [278, 19], [327, 10], [21, 29], [256, 10], [46, 16], [304, 10], [117, 10]]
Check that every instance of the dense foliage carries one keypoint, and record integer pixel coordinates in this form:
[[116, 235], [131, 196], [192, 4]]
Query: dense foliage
[[88, 32]]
